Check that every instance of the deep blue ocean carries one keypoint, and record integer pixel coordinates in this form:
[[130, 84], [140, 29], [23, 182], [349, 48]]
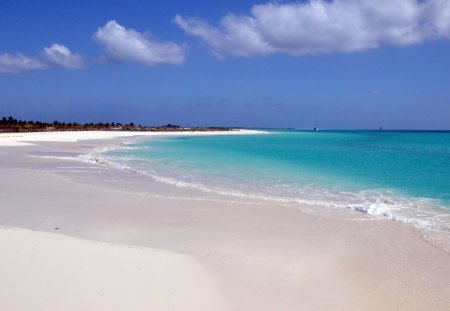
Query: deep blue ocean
[[402, 175]]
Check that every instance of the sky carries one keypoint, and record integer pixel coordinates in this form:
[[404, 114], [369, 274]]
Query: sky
[[345, 64]]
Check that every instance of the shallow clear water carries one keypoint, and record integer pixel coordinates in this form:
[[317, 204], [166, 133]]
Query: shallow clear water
[[400, 175]]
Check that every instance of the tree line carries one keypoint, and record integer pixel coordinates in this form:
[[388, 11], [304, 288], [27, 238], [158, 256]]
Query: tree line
[[10, 124]]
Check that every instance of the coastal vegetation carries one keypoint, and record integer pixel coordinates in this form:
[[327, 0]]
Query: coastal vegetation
[[10, 124]]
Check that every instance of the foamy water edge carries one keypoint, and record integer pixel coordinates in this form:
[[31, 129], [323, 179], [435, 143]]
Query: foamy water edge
[[432, 221]]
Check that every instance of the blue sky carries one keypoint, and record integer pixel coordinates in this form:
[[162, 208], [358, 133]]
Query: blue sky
[[346, 64]]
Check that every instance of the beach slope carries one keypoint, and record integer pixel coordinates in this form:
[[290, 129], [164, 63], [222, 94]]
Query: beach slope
[[48, 271]]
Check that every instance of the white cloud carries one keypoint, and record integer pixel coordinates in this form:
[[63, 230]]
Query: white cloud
[[321, 26], [16, 63], [61, 56], [56, 55], [123, 44]]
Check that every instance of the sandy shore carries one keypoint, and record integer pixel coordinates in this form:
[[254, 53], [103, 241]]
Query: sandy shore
[[48, 271], [203, 251], [33, 138]]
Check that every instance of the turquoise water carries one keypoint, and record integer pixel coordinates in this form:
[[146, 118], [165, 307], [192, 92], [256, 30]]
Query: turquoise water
[[400, 175]]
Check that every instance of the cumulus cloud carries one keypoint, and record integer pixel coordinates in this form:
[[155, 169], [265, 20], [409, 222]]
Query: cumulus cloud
[[123, 44], [15, 63], [323, 26], [61, 56]]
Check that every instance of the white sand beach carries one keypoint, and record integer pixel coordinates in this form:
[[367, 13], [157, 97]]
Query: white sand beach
[[72, 241], [31, 138], [48, 271]]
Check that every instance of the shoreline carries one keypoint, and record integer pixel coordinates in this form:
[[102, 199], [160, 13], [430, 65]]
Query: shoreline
[[263, 257], [32, 138], [436, 233]]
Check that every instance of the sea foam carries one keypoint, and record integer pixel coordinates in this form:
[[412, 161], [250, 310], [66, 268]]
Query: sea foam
[[262, 178]]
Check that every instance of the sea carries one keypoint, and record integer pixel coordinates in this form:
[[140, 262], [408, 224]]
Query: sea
[[400, 175]]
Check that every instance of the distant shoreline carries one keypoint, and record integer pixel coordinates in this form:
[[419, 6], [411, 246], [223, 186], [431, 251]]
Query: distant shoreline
[[146, 129], [33, 138], [12, 125]]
